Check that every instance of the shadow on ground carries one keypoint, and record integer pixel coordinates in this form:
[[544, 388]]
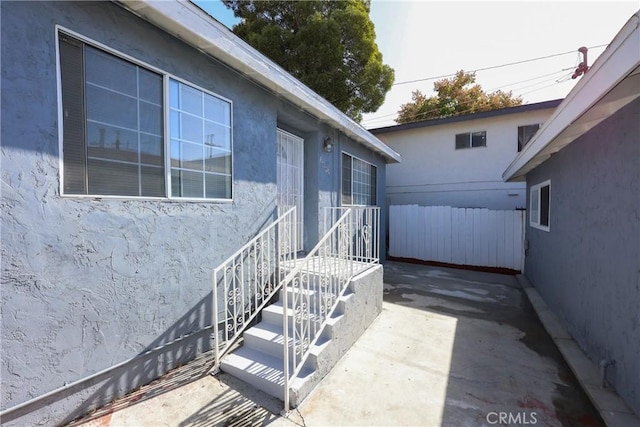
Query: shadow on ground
[[235, 406], [504, 367]]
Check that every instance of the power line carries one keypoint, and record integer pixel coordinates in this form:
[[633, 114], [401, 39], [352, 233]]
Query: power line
[[496, 66], [531, 79], [543, 87], [555, 79], [381, 118], [469, 110], [560, 80]]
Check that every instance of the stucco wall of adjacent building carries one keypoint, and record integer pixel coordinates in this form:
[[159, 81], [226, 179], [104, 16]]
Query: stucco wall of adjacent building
[[587, 266], [93, 283], [434, 173]]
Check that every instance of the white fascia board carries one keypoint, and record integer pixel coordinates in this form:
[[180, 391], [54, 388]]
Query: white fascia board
[[194, 26], [618, 61]]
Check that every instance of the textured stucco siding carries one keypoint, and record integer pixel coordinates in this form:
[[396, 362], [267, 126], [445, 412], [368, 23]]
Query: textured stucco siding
[[587, 267], [348, 146], [88, 284], [91, 283], [322, 173]]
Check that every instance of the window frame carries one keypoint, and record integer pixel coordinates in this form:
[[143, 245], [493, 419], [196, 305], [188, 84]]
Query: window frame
[[166, 78], [520, 148], [167, 117], [535, 214], [470, 140], [374, 194]]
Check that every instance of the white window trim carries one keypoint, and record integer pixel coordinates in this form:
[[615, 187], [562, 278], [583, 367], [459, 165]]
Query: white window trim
[[527, 143], [535, 222], [166, 113], [351, 180], [470, 133]]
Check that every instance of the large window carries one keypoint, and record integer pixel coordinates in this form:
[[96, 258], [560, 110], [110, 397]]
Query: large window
[[539, 205], [471, 140], [359, 182], [114, 140], [525, 133]]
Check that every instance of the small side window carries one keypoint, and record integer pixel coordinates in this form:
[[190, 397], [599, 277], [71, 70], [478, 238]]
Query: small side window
[[525, 133], [471, 140], [539, 206]]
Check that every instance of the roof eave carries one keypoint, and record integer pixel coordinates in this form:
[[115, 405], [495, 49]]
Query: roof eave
[[519, 109], [602, 84], [194, 26]]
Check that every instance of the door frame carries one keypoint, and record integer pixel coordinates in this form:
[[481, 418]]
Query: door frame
[[287, 175]]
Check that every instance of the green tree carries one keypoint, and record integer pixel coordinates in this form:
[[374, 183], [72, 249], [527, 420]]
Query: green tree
[[455, 96], [328, 45]]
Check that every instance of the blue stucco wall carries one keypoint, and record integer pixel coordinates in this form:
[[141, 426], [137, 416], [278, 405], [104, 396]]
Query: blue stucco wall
[[359, 151], [91, 283], [587, 267], [323, 177]]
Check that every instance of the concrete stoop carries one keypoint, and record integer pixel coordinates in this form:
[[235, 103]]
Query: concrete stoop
[[259, 362]]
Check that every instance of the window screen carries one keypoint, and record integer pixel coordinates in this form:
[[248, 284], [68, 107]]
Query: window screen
[[200, 143], [359, 182], [113, 130], [113, 126]]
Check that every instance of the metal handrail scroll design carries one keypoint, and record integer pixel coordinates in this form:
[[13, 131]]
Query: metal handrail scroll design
[[312, 290], [246, 281]]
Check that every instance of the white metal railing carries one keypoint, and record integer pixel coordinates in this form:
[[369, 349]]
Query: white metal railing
[[248, 279], [365, 226], [349, 245]]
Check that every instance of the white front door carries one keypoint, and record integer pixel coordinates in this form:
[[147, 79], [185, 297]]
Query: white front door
[[291, 177]]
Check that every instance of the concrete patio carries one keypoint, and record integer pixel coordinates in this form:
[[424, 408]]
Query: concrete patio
[[450, 348]]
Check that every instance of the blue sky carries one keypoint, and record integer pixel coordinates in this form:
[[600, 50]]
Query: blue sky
[[218, 10], [422, 39]]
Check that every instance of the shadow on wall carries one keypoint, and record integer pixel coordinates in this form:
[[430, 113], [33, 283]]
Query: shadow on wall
[[181, 343], [187, 338]]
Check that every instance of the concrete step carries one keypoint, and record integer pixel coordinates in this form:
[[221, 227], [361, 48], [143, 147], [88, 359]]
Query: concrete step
[[273, 314], [310, 295], [260, 361], [267, 338], [259, 369]]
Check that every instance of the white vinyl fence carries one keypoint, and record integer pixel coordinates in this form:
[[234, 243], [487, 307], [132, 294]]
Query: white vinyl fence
[[477, 237]]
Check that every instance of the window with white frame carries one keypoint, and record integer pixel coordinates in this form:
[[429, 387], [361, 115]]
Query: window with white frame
[[471, 140], [525, 133], [200, 143], [114, 141], [539, 205], [359, 181]]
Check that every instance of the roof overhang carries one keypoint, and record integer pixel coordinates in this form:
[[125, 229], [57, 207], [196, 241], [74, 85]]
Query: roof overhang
[[519, 109], [195, 27], [611, 83]]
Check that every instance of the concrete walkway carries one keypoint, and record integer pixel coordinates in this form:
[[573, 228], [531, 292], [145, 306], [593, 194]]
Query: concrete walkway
[[451, 348]]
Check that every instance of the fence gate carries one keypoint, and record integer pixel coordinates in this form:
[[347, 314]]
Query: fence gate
[[476, 237]]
